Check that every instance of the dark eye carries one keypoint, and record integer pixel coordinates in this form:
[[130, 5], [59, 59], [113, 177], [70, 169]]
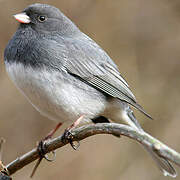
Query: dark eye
[[42, 18]]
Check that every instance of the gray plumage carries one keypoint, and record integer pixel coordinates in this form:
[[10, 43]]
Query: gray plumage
[[65, 74]]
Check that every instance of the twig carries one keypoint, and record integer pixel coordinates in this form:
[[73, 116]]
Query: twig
[[90, 130]]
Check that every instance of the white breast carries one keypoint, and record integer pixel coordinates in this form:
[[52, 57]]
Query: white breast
[[52, 96]]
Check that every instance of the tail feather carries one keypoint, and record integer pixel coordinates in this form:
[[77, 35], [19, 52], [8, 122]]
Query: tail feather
[[163, 164]]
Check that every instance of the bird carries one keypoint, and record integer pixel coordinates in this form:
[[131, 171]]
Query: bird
[[67, 76]]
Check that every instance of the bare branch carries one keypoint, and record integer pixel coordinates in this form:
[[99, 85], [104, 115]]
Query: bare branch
[[90, 130]]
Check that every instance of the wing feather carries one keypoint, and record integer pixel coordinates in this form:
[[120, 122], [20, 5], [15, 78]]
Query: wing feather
[[92, 65]]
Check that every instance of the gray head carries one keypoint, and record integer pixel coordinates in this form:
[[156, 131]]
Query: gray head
[[47, 19]]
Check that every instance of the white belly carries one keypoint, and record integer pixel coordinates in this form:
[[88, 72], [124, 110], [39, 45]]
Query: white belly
[[53, 97]]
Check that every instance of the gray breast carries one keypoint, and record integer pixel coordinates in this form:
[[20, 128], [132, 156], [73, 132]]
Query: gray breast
[[55, 94]]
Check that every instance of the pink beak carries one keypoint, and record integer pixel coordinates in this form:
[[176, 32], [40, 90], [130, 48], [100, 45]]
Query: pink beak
[[22, 18]]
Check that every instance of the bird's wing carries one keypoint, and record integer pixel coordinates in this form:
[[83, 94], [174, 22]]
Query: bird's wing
[[88, 62]]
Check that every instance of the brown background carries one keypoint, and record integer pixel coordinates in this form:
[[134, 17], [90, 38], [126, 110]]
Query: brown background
[[143, 38]]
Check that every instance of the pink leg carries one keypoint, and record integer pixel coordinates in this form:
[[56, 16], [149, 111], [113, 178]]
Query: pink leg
[[66, 136], [76, 123], [41, 147], [51, 133]]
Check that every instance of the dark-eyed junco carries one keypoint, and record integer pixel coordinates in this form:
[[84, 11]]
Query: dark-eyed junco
[[66, 76]]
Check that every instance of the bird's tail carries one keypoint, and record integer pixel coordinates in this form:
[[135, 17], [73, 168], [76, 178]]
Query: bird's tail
[[162, 163]]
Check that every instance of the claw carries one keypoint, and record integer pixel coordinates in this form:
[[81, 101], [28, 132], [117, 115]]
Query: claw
[[74, 146], [67, 136], [50, 159]]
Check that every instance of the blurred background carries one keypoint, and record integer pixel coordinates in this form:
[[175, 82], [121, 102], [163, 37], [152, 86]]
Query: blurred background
[[143, 38]]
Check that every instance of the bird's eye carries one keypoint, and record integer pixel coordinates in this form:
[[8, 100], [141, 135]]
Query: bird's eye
[[42, 18]]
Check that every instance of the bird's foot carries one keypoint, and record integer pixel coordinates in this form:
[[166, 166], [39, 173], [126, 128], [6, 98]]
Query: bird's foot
[[68, 136], [42, 149]]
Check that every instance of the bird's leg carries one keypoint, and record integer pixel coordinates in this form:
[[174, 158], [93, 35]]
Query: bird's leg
[[42, 148], [51, 133], [67, 136]]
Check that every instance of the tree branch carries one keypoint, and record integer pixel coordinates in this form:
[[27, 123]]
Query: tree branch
[[90, 130]]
